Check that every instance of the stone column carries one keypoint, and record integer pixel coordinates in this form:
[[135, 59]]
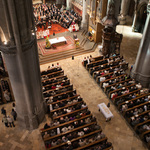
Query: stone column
[[44, 1], [68, 4], [21, 58], [135, 15], [103, 14], [141, 68], [124, 11], [84, 16]]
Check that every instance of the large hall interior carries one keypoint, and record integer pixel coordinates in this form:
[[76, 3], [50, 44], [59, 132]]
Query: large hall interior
[[74, 74]]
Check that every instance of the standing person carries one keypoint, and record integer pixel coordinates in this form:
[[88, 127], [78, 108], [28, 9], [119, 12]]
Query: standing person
[[5, 121], [3, 111], [7, 96], [75, 36], [10, 121], [14, 106], [14, 114], [108, 105]]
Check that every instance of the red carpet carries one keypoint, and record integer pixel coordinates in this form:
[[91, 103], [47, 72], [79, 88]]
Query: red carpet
[[56, 28], [69, 45]]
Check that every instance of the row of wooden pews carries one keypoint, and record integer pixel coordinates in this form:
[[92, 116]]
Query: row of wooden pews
[[132, 101], [73, 126]]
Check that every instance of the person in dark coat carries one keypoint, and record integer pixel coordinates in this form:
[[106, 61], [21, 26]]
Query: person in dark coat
[[14, 114], [3, 111]]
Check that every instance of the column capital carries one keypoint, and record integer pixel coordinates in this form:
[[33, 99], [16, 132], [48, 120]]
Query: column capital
[[9, 49]]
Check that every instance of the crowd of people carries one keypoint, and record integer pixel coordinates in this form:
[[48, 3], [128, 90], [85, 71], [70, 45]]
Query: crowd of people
[[7, 119], [48, 14], [3, 72], [6, 90], [72, 125], [127, 94]]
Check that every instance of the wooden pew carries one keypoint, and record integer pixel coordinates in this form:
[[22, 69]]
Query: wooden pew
[[75, 129], [45, 72], [103, 62], [96, 63], [107, 80], [124, 95], [121, 82], [140, 124], [59, 82], [98, 58], [144, 133], [64, 124], [143, 95], [139, 115], [61, 94], [117, 61], [124, 113], [92, 144], [94, 59], [54, 74], [102, 70], [64, 100], [67, 114], [59, 78], [109, 94], [52, 70], [108, 74], [105, 65], [66, 106], [59, 88], [76, 139]]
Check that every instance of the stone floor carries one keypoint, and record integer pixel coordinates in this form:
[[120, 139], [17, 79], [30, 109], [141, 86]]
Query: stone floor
[[117, 131]]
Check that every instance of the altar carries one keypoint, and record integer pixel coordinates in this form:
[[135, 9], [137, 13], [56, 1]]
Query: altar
[[58, 41], [105, 111]]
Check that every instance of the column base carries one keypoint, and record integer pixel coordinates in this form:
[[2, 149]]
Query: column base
[[144, 80], [31, 122], [122, 20], [84, 25]]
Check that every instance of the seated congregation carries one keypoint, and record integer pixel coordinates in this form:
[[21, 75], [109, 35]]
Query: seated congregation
[[132, 101], [48, 14], [73, 126]]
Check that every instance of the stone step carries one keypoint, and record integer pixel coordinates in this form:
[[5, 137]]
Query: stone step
[[48, 60], [62, 52], [65, 54], [70, 53]]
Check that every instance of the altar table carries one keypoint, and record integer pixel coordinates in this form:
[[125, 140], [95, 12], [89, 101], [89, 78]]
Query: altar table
[[58, 41], [105, 111]]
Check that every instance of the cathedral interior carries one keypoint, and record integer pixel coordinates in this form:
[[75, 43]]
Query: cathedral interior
[[108, 63]]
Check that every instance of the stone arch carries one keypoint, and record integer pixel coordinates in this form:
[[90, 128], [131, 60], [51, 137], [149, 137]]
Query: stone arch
[[141, 15]]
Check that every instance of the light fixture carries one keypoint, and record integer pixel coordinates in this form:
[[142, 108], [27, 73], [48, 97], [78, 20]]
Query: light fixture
[[5, 42]]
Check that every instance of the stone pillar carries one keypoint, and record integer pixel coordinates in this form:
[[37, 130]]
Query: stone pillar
[[135, 15], [84, 23], [124, 11], [141, 68], [117, 6], [21, 58], [44, 1], [100, 27], [68, 4]]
